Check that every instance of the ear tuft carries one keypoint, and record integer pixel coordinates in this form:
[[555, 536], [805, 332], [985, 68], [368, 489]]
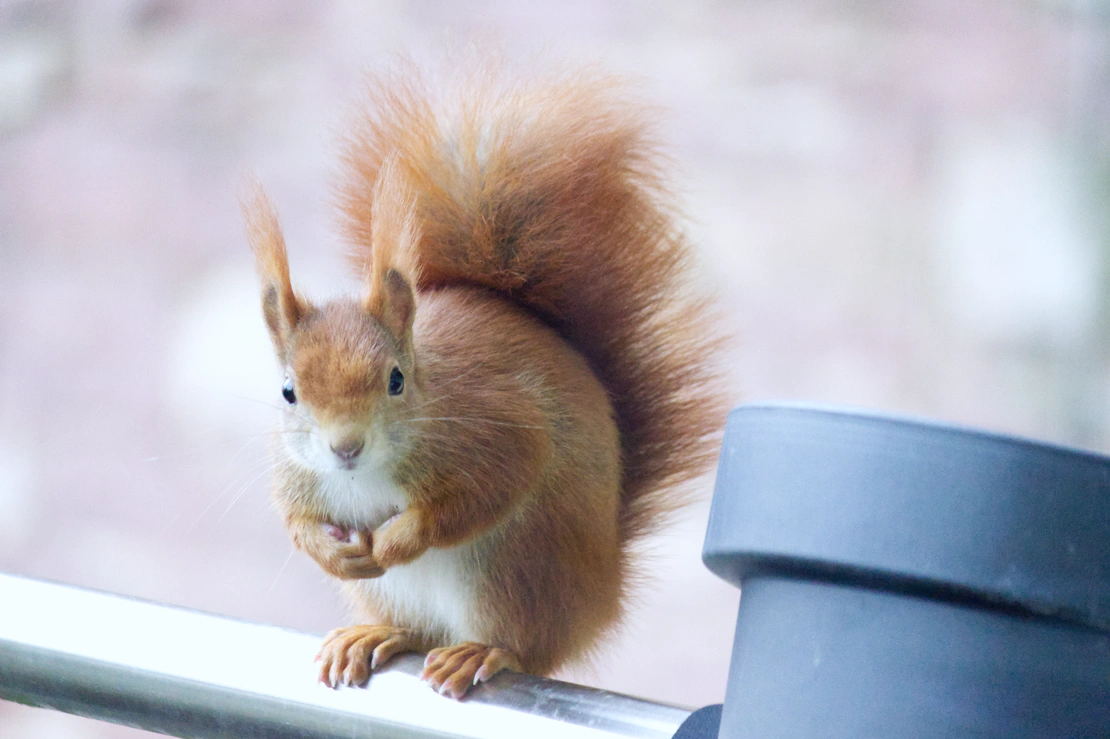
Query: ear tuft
[[281, 307], [392, 272]]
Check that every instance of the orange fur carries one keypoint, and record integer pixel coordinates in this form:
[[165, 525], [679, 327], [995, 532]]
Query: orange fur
[[551, 193], [527, 283], [280, 304]]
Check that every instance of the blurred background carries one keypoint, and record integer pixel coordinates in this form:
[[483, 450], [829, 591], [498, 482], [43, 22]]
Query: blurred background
[[903, 206]]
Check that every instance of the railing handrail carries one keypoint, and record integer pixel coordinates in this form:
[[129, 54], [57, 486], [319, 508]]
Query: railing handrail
[[193, 674]]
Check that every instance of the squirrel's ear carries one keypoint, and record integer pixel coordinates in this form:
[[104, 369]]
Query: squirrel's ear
[[280, 305], [396, 306], [394, 234]]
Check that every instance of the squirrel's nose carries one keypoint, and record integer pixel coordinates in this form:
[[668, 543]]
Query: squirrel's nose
[[348, 449]]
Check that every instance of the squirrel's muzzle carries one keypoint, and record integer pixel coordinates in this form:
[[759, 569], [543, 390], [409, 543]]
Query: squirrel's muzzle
[[347, 450]]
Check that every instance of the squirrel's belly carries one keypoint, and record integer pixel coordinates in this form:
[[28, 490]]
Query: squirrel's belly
[[436, 593]]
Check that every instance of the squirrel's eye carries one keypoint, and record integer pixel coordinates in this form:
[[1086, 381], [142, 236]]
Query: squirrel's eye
[[396, 382], [287, 391]]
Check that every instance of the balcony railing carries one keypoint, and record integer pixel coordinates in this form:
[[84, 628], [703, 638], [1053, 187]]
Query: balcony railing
[[191, 674]]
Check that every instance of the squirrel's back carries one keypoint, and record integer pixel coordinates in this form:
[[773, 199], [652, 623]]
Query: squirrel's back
[[552, 194]]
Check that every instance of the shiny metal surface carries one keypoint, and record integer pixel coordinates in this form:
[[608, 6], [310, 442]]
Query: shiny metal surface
[[192, 674]]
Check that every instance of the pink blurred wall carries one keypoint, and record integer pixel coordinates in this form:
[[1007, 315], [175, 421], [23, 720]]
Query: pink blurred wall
[[902, 206]]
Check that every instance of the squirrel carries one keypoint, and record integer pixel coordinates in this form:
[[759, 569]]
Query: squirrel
[[473, 445]]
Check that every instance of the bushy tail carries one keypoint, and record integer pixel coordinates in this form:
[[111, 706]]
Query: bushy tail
[[551, 193]]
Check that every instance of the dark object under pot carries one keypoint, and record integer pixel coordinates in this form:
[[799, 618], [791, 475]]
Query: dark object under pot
[[907, 578]]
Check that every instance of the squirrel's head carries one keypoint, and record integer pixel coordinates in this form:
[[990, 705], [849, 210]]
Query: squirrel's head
[[350, 373]]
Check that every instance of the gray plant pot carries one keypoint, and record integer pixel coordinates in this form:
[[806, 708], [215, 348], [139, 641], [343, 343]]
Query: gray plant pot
[[902, 578]]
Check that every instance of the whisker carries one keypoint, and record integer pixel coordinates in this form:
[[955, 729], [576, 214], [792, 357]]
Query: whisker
[[265, 465], [169, 523], [248, 399], [456, 378], [283, 566], [242, 448], [462, 469], [468, 420], [205, 447], [240, 493]]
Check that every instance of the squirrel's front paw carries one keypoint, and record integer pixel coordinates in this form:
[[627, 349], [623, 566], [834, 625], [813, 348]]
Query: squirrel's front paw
[[400, 539], [352, 557], [453, 670], [349, 654]]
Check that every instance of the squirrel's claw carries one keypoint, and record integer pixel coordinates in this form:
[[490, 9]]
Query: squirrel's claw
[[452, 671], [348, 655]]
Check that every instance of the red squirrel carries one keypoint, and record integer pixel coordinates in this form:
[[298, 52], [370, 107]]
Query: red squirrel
[[472, 445]]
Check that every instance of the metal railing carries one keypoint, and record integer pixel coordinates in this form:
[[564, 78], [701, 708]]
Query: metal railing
[[192, 674]]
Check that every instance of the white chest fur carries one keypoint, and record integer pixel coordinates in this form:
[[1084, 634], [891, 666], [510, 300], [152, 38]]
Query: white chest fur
[[361, 498], [436, 593]]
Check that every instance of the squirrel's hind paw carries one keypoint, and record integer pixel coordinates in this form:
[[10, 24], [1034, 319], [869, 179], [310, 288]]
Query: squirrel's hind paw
[[349, 654], [453, 670]]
